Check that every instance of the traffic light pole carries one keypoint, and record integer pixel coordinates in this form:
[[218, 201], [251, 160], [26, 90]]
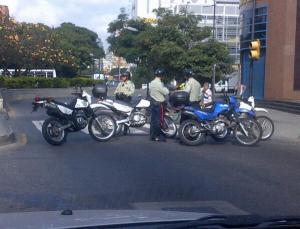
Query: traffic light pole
[[251, 60]]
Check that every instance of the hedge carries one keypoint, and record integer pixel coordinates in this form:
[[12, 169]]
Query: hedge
[[35, 82]]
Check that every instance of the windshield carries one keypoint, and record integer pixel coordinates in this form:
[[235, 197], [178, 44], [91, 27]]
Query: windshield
[[144, 105]]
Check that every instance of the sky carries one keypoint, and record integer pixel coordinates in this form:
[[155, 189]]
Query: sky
[[92, 14]]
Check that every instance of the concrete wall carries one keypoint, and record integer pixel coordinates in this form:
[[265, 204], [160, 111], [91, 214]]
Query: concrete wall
[[281, 61], [281, 50], [21, 94]]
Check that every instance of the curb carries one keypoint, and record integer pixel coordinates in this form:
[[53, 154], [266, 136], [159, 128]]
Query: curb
[[9, 136]]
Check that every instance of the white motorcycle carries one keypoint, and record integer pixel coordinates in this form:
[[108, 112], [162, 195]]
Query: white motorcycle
[[134, 116], [266, 123]]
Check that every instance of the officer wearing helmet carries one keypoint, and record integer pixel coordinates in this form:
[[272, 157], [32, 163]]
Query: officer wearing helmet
[[125, 89], [192, 86], [158, 93]]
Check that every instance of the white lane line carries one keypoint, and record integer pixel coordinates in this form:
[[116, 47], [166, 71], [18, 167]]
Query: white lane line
[[85, 130], [137, 131], [143, 130], [38, 125]]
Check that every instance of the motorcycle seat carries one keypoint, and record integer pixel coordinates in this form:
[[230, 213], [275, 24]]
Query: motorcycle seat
[[209, 108], [132, 103], [70, 105]]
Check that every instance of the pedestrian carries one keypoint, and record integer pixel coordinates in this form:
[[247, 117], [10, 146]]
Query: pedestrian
[[124, 92], [192, 86], [125, 88], [158, 93], [206, 95], [239, 90]]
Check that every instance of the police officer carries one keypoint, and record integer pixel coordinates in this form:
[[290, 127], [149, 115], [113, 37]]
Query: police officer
[[125, 89], [124, 92], [192, 86], [158, 93]]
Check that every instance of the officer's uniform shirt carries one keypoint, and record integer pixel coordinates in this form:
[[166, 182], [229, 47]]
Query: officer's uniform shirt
[[193, 87], [158, 91], [126, 88]]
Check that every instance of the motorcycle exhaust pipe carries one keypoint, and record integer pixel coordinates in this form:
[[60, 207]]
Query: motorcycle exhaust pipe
[[122, 121], [64, 127]]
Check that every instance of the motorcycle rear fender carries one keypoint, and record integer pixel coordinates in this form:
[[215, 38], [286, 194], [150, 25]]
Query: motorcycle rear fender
[[98, 105], [261, 109], [188, 115], [249, 112]]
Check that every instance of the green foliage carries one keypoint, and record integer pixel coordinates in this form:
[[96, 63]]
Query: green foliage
[[34, 82], [80, 42], [141, 75], [176, 42], [37, 46]]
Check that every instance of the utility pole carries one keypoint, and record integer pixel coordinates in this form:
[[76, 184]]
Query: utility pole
[[251, 60]]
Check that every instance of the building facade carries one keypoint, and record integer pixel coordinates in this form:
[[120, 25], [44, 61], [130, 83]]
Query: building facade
[[227, 20], [276, 75], [144, 8]]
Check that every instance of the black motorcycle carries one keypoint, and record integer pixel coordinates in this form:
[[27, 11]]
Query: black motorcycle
[[72, 117]]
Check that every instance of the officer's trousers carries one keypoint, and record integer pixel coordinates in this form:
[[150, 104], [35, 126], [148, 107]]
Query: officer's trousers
[[155, 122]]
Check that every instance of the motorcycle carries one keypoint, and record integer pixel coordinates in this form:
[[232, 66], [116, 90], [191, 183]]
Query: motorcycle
[[72, 117], [135, 115], [218, 121], [266, 123]]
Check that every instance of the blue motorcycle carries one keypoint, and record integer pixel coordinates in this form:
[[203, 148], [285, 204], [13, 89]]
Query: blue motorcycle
[[219, 121]]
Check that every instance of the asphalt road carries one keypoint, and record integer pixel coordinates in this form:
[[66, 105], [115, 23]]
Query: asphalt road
[[131, 172]]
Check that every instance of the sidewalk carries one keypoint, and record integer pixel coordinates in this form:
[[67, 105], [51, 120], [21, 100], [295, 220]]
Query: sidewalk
[[6, 132], [287, 125]]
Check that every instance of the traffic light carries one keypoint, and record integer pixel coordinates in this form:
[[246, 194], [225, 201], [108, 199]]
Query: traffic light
[[254, 50]]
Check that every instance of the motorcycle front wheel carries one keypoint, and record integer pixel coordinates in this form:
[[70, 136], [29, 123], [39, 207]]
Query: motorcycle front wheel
[[51, 132], [267, 126], [102, 127], [248, 132], [169, 128], [190, 133]]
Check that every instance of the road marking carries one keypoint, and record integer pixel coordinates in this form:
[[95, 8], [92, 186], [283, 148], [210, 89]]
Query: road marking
[[85, 130], [135, 131], [38, 125]]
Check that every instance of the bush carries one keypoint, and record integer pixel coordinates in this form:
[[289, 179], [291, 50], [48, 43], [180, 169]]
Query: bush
[[35, 82]]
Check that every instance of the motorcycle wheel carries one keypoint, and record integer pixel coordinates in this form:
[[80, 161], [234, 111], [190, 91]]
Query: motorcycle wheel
[[51, 132], [267, 126], [253, 130], [222, 137], [171, 129], [189, 133], [119, 129], [102, 127]]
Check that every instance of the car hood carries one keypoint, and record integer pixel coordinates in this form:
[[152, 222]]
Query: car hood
[[54, 219]]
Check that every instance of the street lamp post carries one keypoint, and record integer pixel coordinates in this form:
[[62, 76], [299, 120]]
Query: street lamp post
[[214, 20], [213, 81], [186, 8], [92, 56]]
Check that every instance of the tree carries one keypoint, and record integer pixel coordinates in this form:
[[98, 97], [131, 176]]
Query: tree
[[80, 43], [175, 42], [28, 46]]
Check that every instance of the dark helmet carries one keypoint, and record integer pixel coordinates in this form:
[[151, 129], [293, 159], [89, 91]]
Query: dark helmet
[[126, 74], [188, 72], [160, 72]]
